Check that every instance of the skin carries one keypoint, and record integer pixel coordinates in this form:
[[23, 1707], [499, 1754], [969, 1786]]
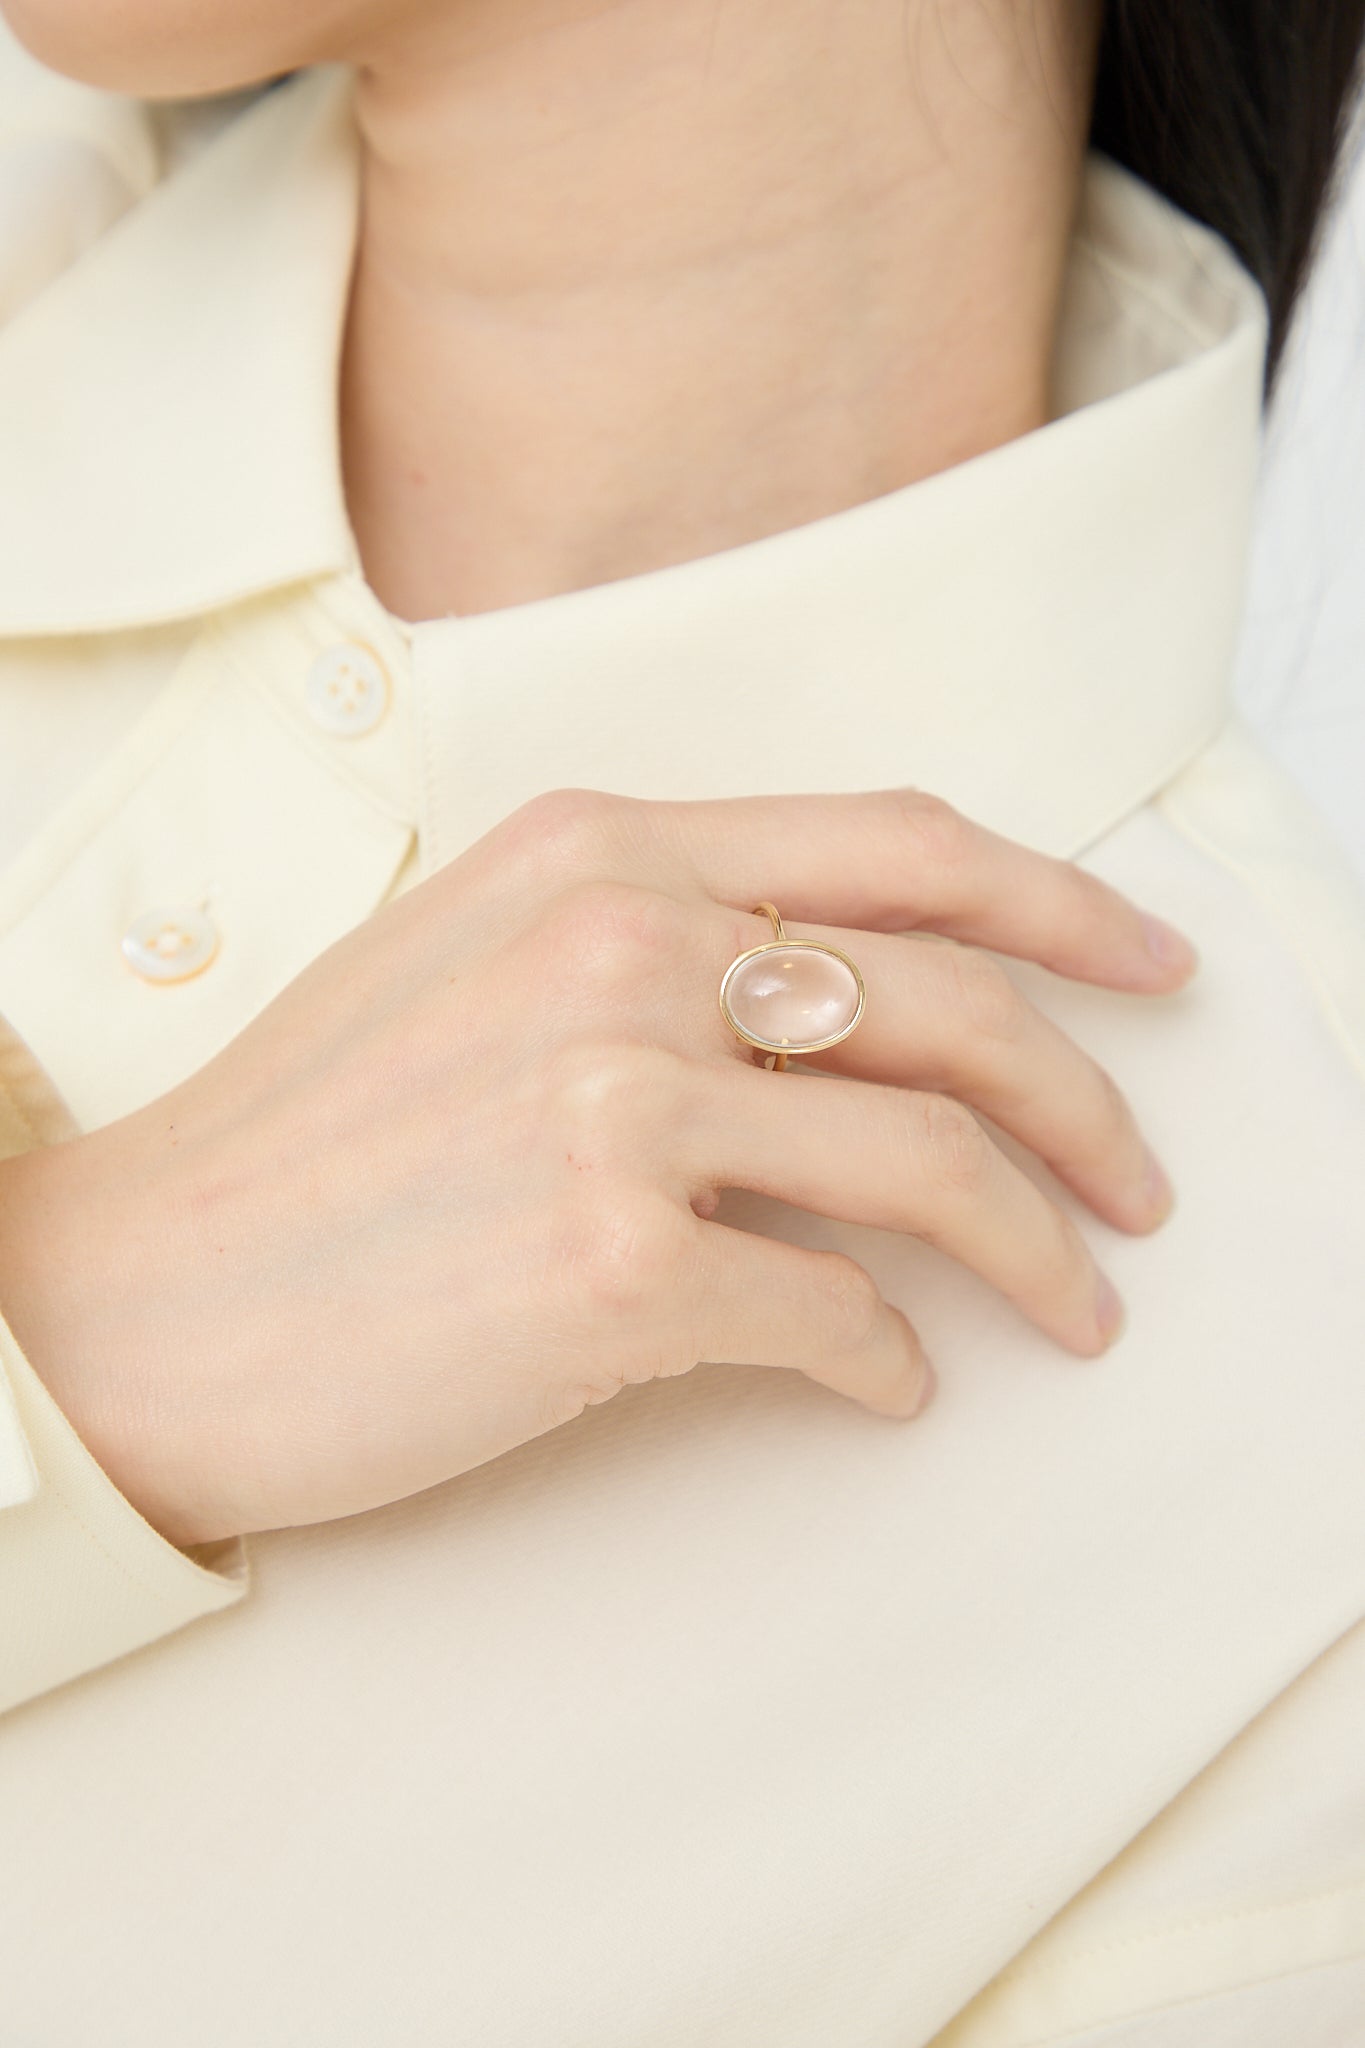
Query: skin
[[638, 280], [408, 1219]]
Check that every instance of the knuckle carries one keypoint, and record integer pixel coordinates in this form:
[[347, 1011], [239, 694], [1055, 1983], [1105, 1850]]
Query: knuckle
[[614, 931], [937, 831], [598, 1094], [982, 992], [953, 1150], [854, 1301], [625, 1251], [561, 830]]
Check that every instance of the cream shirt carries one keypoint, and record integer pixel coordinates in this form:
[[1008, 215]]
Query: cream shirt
[[726, 1715]]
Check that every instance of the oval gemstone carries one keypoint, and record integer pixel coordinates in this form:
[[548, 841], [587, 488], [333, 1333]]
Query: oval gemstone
[[792, 996]]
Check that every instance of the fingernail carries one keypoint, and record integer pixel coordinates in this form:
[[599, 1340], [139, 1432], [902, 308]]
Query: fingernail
[[1108, 1309], [1157, 1187], [928, 1387], [1167, 946]]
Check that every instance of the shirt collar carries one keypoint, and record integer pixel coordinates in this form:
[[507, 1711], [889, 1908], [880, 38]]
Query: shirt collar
[[167, 407], [1059, 612]]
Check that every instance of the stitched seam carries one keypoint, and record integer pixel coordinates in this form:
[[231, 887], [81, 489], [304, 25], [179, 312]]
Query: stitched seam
[[203, 605], [55, 1492], [1154, 787], [1193, 1923]]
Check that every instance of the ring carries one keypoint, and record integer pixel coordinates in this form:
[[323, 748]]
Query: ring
[[791, 995]]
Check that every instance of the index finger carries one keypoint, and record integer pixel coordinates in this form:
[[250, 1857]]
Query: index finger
[[901, 860]]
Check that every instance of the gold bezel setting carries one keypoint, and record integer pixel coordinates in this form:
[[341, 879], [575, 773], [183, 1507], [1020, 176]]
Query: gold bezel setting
[[791, 1046]]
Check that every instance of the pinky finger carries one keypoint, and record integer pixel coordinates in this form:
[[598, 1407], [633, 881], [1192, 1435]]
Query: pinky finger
[[763, 1302]]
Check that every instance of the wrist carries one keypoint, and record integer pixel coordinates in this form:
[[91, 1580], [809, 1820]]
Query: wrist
[[80, 1251]]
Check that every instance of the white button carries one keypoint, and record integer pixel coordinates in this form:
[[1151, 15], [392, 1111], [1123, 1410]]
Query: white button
[[348, 689], [170, 945]]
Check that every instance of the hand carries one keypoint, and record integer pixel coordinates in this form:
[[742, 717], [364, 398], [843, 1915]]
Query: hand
[[455, 1182]]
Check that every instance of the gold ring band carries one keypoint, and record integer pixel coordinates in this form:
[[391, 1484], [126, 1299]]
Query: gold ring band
[[791, 996]]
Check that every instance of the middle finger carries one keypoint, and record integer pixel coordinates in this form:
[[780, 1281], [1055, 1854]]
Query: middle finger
[[947, 1018]]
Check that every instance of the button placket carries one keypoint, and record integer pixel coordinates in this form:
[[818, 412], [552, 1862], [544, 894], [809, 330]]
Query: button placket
[[348, 689]]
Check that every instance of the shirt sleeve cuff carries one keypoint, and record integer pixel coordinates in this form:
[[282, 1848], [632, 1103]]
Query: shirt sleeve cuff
[[83, 1578]]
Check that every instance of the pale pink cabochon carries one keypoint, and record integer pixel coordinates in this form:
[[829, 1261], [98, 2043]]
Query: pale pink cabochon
[[792, 996]]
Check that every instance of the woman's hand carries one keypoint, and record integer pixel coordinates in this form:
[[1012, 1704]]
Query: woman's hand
[[454, 1184]]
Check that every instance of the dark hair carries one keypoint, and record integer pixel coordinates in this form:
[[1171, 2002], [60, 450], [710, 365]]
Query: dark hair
[[1237, 110]]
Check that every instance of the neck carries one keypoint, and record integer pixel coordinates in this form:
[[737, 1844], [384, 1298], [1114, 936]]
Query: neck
[[646, 281]]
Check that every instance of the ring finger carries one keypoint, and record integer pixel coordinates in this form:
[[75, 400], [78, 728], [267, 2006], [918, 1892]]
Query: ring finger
[[953, 1020], [950, 1019]]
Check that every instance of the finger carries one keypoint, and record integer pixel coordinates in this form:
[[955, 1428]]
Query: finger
[[762, 1302], [898, 860], [900, 1160], [950, 1019]]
